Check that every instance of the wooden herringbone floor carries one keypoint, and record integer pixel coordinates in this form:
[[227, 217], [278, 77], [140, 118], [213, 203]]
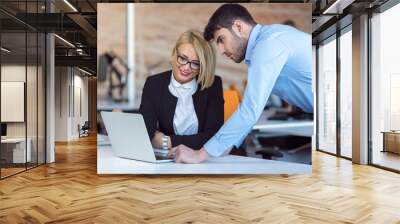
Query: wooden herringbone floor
[[70, 191]]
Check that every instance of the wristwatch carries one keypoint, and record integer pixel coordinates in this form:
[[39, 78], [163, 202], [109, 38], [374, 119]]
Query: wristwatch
[[165, 140]]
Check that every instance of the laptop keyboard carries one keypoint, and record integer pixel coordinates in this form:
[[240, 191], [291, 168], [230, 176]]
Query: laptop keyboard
[[161, 156]]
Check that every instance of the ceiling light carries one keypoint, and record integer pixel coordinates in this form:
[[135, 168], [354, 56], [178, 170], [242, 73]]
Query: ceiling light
[[337, 7], [84, 71], [70, 5], [65, 41], [5, 50]]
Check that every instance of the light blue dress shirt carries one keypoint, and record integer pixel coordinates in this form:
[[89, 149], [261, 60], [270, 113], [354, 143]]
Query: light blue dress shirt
[[279, 62]]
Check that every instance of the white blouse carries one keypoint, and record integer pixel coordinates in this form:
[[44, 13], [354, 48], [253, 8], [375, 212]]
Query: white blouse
[[185, 118]]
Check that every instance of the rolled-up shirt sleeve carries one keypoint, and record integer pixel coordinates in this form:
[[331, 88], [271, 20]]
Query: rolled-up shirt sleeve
[[265, 64]]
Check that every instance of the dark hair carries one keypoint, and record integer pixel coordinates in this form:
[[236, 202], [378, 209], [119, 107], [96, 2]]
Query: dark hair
[[289, 22], [224, 17]]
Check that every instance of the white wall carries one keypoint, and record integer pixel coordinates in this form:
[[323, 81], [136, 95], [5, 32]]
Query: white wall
[[80, 102], [33, 126], [71, 93], [12, 73], [61, 103], [17, 73]]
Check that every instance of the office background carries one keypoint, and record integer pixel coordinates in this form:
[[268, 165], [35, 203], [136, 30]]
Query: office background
[[155, 27]]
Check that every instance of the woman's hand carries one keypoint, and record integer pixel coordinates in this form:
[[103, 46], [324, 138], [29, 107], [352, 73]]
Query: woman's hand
[[157, 140]]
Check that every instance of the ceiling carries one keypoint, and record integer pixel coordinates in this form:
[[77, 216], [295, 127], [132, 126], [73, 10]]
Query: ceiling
[[76, 22], [330, 16]]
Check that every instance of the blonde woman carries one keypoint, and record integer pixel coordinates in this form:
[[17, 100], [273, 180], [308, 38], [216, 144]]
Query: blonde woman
[[184, 105]]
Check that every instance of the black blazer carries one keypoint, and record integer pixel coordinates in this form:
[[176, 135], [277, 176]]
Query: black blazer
[[158, 110]]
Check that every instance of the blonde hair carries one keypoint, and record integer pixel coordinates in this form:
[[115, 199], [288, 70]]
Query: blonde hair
[[206, 53]]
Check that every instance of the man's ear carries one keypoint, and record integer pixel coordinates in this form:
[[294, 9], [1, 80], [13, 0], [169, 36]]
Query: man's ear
[[237, 27]]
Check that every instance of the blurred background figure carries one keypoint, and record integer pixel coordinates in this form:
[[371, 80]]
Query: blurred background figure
[[114, 72]]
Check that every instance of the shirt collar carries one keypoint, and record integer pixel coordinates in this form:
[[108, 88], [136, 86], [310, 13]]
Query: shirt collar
[[252, 41], [189, 85]]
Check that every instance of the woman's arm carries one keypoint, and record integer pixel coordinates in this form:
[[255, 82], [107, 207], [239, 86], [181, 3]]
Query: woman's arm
[[148, 109], [214, 119]]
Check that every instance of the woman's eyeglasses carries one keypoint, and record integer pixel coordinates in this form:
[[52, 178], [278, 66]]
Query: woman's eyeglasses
[[194, 65]]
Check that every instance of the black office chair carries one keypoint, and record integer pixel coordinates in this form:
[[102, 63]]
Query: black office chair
[[84, 130], [275, 146]]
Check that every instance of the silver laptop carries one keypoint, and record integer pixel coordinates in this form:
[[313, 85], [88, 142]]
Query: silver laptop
[[129, 138]]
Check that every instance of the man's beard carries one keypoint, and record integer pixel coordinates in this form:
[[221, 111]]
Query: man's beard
[[239, 50]]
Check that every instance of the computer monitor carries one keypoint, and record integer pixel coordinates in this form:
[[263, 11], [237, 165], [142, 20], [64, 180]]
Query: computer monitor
[[3, 129]]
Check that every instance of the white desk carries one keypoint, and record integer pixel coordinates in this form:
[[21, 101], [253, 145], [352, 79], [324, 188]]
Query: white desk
[[19, 155], [298, 128], [108, 163]]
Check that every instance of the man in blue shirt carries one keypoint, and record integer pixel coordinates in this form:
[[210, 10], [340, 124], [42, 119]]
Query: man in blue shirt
[[279, 62]]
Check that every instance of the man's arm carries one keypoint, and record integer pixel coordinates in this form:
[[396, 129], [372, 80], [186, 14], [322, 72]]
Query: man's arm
[[266, 63]]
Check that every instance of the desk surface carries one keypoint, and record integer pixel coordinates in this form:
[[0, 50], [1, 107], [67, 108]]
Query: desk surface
[[108, 163], [299, 128]]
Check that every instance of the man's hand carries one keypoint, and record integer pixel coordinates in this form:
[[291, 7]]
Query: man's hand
[[184, 154], [157, 140]]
